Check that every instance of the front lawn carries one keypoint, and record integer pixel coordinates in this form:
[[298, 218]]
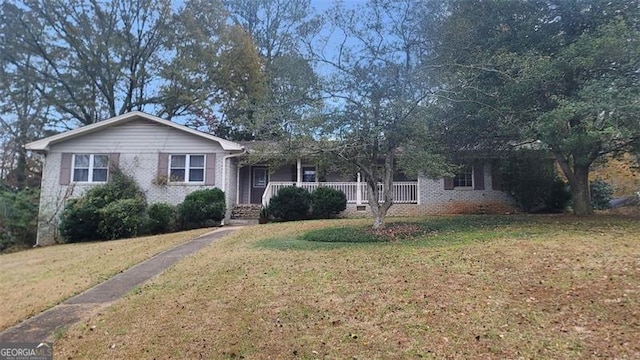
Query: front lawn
[[34, 280], [470, 287]]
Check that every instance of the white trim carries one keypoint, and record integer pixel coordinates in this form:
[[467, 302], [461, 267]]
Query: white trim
[[44, 144], [470, 187], [188, 168], [224, 170], [90, 169]]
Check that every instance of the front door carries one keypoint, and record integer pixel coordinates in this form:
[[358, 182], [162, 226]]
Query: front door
[[259, 180]]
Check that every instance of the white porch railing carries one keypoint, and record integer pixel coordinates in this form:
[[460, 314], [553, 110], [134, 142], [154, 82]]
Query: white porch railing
[[405, 192]]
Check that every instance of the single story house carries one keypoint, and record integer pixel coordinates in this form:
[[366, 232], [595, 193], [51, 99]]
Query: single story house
[[169, 160]]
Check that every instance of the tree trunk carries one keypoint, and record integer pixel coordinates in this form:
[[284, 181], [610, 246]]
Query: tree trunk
[[378, 210], [580, 194], [579, 181], [378, 218]]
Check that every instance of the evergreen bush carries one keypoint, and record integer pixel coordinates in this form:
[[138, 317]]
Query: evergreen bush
[[202, 208], [80, 220], [18, 217], [558, 196], [601, 194], [531, 180], [122, 218], [162, 218], [290, 203], [95, 216], [326, 202]]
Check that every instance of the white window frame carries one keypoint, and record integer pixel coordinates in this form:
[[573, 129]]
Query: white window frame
[[470, 172], [91, 169], [188, 168]]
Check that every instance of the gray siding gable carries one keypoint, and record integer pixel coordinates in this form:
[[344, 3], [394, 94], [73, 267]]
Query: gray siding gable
[[137, 136]]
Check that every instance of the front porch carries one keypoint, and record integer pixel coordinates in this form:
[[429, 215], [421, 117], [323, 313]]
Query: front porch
[[405, 192], [258, 183]]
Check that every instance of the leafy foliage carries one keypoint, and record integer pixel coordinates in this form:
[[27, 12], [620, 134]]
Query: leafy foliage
[[558, 196], [80, 220], [122, 218], [290, 90], [290, 203], [18, 217], [327, 202], [120, 186], [202, 208], [381, 85], [162, 218], [530, 178], [101, 213], [561, 72], [601, 194]]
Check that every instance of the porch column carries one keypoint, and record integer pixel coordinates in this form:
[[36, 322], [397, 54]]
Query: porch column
[[358, 191], [299, 173], [237, 184]]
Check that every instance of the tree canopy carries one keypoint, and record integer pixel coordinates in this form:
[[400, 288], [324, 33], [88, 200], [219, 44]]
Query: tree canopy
[[563, 73], [379, 89]]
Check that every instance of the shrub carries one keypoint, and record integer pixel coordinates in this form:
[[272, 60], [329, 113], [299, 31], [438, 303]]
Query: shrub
[[558, 196], [162, 218], [202, 208], [530, 179], [85, 219], [290, 203], [601, 194], [80, 220], [122, 218], [326, 202], [18, 217], [120, 186]]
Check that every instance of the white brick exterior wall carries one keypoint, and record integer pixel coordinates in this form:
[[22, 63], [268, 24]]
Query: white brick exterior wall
[[139, 144], [434, 199]]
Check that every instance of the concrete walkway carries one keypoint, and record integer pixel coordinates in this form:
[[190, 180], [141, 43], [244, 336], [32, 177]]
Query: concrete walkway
[[40, 327]]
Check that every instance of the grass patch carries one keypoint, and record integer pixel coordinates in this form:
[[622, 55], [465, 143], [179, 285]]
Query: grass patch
[[521, 287], [34, 280], [433, 231], [364, 234]]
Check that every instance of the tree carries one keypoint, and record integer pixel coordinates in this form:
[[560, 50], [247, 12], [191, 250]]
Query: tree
[[379, 90], [277, 28], [563, 73], [90, 60], [23, 112], [66, 63]]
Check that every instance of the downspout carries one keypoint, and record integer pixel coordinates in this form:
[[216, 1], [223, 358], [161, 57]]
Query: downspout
[[224, 173]]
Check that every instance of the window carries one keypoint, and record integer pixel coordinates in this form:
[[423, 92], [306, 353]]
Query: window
[[90, 168], [308, 174], [259, 177], [464, 177], [186, 168]]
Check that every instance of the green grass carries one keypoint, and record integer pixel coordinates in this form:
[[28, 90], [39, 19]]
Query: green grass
[[430, 232]]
